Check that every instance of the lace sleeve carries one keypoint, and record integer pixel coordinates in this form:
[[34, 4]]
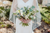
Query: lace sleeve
[[37, 21], [13, 9], [35, 3], [14, 5]]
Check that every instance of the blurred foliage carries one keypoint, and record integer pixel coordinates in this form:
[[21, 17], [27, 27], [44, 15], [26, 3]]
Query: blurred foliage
[[9, 26], [47, 7], [45, 14], [7, 10], [4, 12], [2, 8], [3, 25]]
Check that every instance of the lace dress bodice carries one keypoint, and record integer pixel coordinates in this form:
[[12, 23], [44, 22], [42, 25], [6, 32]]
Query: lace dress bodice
[[21, 3]]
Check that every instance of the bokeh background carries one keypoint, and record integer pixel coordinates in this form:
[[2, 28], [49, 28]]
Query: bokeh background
[[7, 26]]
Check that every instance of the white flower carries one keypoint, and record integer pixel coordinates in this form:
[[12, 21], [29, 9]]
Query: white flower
[[21, 12], [31, 16], [26, 17], [34, 17], [18, 11]]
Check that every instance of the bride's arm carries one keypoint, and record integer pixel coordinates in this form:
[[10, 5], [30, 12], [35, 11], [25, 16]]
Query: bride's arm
[[13, 9], [35, 3], [14, 5]]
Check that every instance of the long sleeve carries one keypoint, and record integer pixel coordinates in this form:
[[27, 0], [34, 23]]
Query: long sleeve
[[35, 3], [14, 5], [37, 21], [13, 9]]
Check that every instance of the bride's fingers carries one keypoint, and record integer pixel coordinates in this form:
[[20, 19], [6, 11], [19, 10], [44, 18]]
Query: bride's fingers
[[24, 21]]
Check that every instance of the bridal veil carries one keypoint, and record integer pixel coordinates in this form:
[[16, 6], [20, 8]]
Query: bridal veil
[[37, 21]]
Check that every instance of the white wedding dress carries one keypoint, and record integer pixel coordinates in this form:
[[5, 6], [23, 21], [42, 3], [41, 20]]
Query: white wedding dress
[[15, 20], [20, 28]]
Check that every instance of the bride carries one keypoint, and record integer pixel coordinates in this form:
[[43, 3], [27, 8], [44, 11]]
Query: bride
[[33, 24]]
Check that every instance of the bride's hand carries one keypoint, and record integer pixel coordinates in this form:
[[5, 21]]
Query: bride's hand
[[24, 20]]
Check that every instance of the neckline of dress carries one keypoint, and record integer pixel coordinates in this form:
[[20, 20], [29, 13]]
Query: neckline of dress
[[26, 2]]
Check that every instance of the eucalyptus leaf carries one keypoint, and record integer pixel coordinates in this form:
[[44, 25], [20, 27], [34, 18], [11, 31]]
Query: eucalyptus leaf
[[33, 7], [32, 18], [30, 10], [21, 8]]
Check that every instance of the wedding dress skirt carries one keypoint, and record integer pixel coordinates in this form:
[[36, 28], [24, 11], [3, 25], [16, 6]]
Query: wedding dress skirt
[[22, 29]]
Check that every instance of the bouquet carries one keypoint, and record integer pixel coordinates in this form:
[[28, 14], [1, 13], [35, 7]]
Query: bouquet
[[25, 13]]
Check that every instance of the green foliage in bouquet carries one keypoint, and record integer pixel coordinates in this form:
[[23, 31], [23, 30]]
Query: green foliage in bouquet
[[45, 14], [25, 13], [24, 24]]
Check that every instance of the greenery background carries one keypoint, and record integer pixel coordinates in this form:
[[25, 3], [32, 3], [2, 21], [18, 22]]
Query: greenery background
[[5, 11], [45, 13]]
